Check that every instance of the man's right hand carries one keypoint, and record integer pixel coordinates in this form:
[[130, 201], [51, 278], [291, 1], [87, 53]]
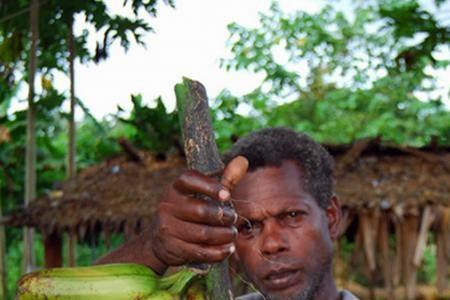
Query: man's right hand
[[188, 229]]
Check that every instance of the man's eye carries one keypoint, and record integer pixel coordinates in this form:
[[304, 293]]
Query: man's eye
[[293, 217], [245, 228], [293, 214]]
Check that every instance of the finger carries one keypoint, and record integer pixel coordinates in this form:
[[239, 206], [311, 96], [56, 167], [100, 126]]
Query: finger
[[177, 252], [203, 234], [206, 254], [192, 182], [234, 171], [200, 211]]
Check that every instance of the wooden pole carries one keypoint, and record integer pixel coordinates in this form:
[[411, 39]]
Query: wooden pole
[[443, 250], [368, 226], [30, 164], [71, 248], [398, 261], [425, 225], [383, 242], [71, 133], [410, 235], [53, 250], [2, 258], [202, 155]]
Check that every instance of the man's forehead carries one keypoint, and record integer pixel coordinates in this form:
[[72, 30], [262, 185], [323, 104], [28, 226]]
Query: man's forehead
[[257, 210], [287, 176]]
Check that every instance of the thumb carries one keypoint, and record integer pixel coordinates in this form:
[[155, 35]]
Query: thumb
[[234, 171]]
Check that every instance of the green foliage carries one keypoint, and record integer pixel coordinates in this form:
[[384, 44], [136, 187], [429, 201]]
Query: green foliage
[[14, 254], [95, 140], [153, 128], [427, 270], [55, 21], [227, 124], [344, 78]]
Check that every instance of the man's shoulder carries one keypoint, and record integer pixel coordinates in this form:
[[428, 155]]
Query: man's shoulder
[[345, 295]]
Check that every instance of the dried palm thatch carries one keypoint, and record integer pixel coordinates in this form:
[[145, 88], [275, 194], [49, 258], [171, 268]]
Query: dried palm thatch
[[117, 195]]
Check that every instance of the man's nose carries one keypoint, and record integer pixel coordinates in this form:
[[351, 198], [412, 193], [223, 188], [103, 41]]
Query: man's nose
[[272, 240]]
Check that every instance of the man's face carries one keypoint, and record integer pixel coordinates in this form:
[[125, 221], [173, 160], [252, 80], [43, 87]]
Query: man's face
[[285, 239]]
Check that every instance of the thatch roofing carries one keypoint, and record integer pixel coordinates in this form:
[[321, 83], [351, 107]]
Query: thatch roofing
[[113, 195], [122, 193]]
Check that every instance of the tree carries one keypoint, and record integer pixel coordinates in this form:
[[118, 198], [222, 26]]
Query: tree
[[342, 76], [55, 25], [30, 173]]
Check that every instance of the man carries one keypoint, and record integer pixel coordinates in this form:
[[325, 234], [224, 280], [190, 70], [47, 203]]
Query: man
[[280, 227]]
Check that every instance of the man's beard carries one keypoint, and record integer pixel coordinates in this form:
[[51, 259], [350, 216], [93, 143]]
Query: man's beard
[[311, 287]]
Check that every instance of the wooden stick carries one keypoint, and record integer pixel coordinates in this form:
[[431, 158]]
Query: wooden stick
[[442, 249], [202, 155], [410, 237], [367, 227], [398, 265], [130, 150], [369, 223], [383, 242], [71, 246], [427, 219], [53, 250]]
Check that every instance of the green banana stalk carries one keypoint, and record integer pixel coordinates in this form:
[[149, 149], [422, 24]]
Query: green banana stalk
[[101, 282], [177, 282]]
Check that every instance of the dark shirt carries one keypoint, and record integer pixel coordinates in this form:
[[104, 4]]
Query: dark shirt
[[345, 295]]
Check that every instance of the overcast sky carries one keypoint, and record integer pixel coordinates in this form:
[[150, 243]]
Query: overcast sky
[[188, 41]]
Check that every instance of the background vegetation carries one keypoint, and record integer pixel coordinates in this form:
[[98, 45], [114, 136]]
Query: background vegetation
[[336, 75]]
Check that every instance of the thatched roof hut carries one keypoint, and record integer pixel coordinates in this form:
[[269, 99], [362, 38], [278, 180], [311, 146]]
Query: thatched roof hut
[[117, 195], [385, 191], [124, 190]]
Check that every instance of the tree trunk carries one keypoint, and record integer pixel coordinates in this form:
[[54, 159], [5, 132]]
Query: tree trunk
[[30, 168], [202, 155], [71, 134], [71, 145], [2, 258]]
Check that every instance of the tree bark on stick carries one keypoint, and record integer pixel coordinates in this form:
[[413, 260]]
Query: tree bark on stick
[[30, 168], [202, 155]]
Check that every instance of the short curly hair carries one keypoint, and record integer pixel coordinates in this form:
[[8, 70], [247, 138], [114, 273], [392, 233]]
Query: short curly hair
[[272, 146]]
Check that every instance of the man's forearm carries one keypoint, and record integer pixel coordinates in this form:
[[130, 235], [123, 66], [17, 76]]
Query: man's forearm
[[137, 250]]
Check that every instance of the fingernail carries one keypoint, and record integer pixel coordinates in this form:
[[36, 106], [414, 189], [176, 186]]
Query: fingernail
[[232, 249], [235, 231], [224, 194]]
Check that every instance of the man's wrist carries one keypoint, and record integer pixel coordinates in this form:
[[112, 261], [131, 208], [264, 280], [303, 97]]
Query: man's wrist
[[139, 251], [154, 261]]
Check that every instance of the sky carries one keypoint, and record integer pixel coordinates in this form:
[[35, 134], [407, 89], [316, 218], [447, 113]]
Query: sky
[[188, 41]]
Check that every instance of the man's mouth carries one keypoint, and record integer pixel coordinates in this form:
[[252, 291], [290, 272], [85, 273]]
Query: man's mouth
[[282, 279]]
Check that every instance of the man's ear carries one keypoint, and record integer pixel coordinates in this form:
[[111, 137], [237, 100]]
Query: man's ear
[[334, 215]]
